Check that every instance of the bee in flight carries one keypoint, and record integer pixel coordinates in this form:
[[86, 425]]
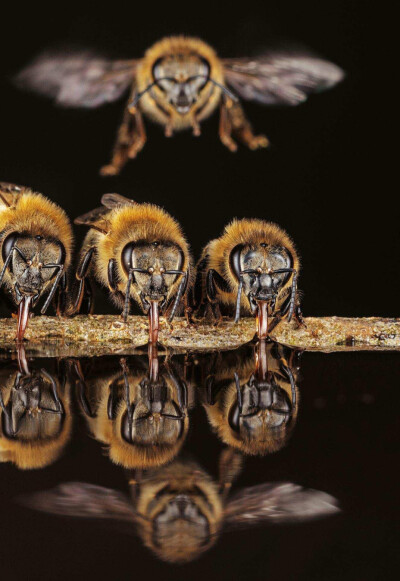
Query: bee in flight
[[35, 251], [178, 83], [252, 267], [179, 510], [138, 251]]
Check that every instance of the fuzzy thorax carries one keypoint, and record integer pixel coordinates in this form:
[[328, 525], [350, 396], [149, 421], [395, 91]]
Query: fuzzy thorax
[[140, 222]]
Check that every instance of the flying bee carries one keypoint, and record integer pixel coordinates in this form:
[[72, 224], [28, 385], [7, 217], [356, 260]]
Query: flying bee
[[179, 510], [35, 414], [35, 251], [251, 397], [178, 83], [139, 411], [253, 266], [139, 252]]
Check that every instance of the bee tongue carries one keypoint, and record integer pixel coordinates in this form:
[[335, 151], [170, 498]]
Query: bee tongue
[[262, 319], [23, 316], [153, 322]]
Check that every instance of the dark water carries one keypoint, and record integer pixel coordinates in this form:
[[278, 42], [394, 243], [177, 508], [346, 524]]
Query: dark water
[[184, 428]]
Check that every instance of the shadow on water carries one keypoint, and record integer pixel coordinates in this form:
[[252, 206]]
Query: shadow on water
[[185, 447]]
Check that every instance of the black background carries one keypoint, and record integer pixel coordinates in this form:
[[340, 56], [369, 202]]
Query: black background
[[329, 177]]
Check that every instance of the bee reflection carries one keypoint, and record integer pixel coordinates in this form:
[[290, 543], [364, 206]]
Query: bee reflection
[[251, 397], [139, 409], [35, 414], [179, 510]]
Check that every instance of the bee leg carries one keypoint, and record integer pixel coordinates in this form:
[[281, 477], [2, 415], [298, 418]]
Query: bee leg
[[121, 147], [81, 274], [298, 315], [242, 129], [169, 128], [211, 284], [230, 466], [139, 137], [62, 296], [196, 127], [225, 125]]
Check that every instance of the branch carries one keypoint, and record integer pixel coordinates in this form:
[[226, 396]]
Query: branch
[[106, 334]]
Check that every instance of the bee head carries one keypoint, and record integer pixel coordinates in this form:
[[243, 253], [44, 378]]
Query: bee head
[[181, 78], [154, 267], [263, 269]]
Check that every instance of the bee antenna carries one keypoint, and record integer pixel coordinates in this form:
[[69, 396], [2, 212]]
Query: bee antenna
[[224, 89], [138, 96]]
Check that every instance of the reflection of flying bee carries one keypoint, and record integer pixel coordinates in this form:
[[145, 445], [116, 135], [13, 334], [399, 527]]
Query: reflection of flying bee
[[251, 397], [138, 251], [179, 510], [253, 266], [140, 412], [35, 415], [35, 250], [178, 83]]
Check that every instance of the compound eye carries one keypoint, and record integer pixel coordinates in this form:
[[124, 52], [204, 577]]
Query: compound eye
[[126, 257], [234, 418], [8, 244], [234, 260]]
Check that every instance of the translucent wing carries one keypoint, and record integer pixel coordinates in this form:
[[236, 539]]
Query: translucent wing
[[82, 500], [10, 193], [78, 79], [114, 200], [95, 219], [278, 78], [275, 503]]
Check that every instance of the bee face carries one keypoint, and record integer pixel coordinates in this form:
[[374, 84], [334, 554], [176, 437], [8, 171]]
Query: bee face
[[155, 265], [265, 406], [260, 266], [30, 263], [181, 78]]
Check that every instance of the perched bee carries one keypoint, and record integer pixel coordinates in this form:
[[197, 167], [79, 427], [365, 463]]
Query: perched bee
[[179, 510], [251, 397], [178, 83], [253, 266], [140, 412], [35, 415], [139, 252], [35, 251]]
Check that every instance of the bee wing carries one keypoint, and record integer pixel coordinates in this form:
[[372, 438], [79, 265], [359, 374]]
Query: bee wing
[[279, 78], [78, 79], [83, 500], [278, 502], [114, 200], [9, 194], [95, 219]]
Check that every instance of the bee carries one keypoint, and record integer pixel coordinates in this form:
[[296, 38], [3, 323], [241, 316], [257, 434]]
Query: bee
[[35, 414], [254, 267], [139, 252], [178, 83], [139, 411], [179, 510], [35, 251], [251, 397]]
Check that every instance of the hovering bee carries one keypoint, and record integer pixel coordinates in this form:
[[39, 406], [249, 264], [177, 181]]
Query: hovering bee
[[251, 397], [139, 252], [252, 266], [178, 83], [139, 411], [35, 415], [179, 510], [35, 251]]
